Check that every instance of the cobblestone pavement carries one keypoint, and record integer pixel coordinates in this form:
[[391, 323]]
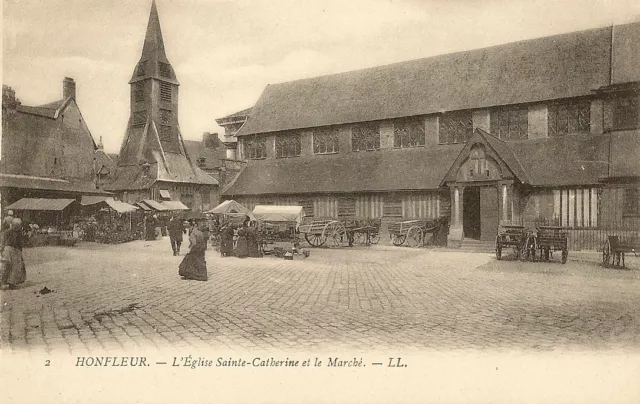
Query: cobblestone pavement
[[130, 297]]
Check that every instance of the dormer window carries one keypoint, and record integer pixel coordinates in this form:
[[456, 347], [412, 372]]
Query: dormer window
[[201, 161]]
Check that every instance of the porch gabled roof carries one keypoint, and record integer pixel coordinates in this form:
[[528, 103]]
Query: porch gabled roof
[[499, 149]]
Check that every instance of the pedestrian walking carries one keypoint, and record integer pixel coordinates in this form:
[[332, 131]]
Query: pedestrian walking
[[175, 234], [194, 266]]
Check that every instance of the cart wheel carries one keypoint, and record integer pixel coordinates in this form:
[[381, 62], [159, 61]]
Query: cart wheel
[[565, 254], [414, 236], [606, 254], [315, 240], [374, 238], [333, 234], [398, 239]]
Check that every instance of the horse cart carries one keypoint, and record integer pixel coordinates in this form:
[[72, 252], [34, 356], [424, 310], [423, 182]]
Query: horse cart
[[615, 248], [548, 239], [412, 232], [328, 233], [528, 244], [363, 231], [512, 236]]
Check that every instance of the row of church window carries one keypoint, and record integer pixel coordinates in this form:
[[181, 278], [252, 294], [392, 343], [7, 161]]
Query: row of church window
[[510, 123]]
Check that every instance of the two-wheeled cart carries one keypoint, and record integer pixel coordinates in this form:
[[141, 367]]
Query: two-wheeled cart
[[328, 233], [548, 239], [616, 247], [412, 232]]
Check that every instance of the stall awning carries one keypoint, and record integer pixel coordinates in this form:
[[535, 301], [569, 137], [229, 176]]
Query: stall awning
[[41, 204], [165, 194], [154, 205], [143, 206], [232, 208], [272, 213], [93, 199], [174, 205], [120, 207]]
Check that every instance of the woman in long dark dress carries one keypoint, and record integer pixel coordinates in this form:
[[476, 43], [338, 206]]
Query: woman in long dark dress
[[14, 271], [194, 266], [252, 242], [226, 241], [242, 245]]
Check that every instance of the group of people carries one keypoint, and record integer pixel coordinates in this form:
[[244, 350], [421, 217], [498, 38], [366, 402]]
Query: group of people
[[12, 239], [247, 243]]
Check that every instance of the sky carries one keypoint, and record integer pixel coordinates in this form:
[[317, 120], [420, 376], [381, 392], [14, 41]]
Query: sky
[[224, 52]]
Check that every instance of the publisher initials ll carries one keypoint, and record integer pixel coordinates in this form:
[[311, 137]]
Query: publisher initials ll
[[395, 363]]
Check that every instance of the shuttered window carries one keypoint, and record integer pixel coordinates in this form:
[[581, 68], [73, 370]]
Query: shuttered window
[[165, 92]]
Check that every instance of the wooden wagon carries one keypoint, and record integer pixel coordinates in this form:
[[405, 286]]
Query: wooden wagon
[[363, 231], [615, 248], [412, 232], [329, 233], [549, 239], [514, 237]]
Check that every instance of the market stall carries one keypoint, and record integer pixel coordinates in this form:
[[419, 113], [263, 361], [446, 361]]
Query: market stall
[[278, 227], [47, 221], [106, 220]]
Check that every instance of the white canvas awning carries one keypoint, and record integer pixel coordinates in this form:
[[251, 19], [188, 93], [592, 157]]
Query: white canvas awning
[[274, 213], [232, 208]]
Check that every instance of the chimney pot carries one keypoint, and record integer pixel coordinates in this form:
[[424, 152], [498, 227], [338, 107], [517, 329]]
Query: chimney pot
[[68, 88]]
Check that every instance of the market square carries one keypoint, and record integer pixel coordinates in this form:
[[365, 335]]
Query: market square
[[355, 299]]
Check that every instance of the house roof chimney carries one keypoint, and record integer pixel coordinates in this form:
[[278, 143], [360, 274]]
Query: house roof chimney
[[68, 88]]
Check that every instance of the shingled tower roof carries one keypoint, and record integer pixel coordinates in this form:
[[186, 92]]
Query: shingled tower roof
[[153, 53], [153, 148]]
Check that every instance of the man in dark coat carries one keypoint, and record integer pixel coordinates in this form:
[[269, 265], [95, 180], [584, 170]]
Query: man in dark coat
[[175, 234], [150, 228]]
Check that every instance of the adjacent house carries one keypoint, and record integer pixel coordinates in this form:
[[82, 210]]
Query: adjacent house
[[545, 130], [47, 151]]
